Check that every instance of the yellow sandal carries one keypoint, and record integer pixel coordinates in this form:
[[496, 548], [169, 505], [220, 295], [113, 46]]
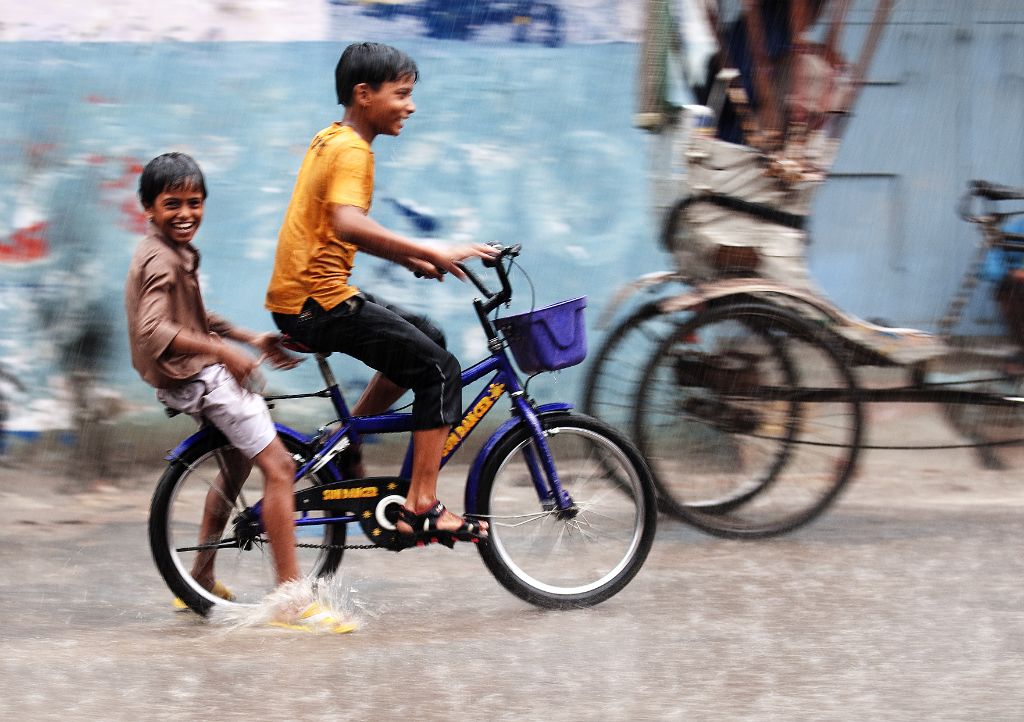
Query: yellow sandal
[[317, 618], [219, 589]]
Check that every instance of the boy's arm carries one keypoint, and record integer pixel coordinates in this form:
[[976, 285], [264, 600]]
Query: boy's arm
[[269, 344], [154, 331], [238, 363], [352, 224]]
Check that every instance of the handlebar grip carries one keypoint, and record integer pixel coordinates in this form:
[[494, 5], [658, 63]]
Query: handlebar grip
[[492, 262], [442, 271], [503, 252]]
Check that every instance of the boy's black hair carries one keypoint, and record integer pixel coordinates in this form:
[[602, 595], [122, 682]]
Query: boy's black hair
[[170, 171], [373, 64]]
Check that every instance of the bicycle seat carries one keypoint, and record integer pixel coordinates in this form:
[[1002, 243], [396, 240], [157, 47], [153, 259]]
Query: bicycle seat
[[292, 345]]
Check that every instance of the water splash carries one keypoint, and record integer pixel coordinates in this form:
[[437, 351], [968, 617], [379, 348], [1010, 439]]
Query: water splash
[[287, 601]]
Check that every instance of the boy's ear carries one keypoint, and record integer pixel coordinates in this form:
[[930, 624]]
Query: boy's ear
[[361, 92]]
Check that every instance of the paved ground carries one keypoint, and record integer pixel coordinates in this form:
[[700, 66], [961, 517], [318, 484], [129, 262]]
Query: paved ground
[[904, 602]]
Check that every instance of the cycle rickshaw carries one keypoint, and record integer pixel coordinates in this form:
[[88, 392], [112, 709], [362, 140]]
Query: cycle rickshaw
[[739, 379]]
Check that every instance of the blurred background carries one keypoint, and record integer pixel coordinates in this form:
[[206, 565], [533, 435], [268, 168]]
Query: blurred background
[[525, 132]]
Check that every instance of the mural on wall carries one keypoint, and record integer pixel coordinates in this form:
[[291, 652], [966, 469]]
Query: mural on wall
[[516, 138], [528, 21]]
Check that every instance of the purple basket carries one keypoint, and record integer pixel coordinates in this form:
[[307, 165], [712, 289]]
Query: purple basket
[[549, 338]]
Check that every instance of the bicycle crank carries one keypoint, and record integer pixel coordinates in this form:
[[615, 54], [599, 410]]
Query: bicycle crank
[[373, 501]]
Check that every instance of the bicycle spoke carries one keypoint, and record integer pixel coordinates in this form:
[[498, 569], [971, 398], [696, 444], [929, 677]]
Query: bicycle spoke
[[580, 553]]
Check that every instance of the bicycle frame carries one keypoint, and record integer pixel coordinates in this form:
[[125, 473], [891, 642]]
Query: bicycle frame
[[505, 380]]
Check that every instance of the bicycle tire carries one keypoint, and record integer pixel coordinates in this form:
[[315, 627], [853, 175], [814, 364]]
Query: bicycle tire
[[175, 513], [726, 455], [612, 377], [988, 428], [561, 563]]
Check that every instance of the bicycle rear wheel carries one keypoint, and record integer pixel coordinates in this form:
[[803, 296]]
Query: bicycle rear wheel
[[748, 417], [209, 483], [567, 559]]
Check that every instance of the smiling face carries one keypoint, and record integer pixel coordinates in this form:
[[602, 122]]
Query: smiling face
[[177, 212], [387, 108]]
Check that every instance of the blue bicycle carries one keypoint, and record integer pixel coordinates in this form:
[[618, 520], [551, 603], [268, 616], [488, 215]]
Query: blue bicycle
[[570, 501]]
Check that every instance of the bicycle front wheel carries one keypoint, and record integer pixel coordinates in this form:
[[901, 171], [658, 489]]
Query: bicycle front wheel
[[576, 558], [749, 418], [198, 532]]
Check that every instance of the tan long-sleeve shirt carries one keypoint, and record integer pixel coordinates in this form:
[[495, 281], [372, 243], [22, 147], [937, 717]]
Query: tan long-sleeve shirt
[[161, 298]]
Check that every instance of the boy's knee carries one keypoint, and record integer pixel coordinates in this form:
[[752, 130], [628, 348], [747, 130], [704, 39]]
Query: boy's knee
[[450, 367], [275, 459], [434, 333]]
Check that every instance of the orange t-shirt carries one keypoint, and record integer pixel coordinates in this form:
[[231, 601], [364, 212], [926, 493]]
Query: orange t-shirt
[[311, 260]]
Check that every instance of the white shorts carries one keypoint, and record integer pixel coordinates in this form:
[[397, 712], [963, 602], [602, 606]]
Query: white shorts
[[213, 396]]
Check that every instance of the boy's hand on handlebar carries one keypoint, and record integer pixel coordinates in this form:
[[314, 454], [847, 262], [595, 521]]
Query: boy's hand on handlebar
[[448, 258], [423, 269]]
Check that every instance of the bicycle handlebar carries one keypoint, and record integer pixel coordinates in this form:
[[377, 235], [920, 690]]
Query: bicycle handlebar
[[995, 191], [989, 193], [493, 300]]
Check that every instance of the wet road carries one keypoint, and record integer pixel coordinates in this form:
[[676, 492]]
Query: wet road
[[904, 602]]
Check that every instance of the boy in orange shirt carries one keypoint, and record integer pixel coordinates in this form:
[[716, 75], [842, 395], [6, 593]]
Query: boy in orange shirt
[[313, 301]]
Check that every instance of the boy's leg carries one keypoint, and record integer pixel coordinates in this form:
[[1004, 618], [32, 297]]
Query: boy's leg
[[217, 508], [244, 419], [407, 351], [377, 397], [428, 444], [278, 514], [427, 449], [279, 508], [234, 467]]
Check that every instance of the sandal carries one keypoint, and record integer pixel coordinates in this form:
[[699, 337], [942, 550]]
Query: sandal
[[219, 589], [425, 529]]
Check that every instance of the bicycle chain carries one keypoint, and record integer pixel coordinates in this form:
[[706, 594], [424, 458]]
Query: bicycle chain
[[340, 546], [204, 547]]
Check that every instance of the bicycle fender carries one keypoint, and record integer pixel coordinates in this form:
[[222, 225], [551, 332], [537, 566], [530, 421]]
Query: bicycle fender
[[645, 282], [473, 478], [206, 431], [733, 290]]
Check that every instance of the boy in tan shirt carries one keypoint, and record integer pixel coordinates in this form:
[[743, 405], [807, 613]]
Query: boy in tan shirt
[[179, 349]]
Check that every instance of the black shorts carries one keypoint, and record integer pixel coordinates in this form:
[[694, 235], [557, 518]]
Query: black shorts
[[407, 348]]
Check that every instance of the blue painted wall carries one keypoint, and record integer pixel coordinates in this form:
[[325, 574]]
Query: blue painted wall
[[519, 143], [512, 141]]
